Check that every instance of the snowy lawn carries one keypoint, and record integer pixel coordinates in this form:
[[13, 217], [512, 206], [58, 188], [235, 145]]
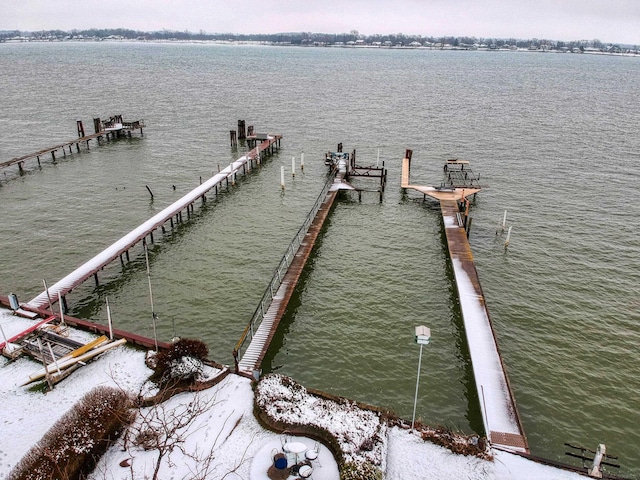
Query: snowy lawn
[[217, 435]]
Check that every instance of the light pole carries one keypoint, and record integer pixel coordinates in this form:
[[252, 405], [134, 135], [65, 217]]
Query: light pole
[[423, 335]]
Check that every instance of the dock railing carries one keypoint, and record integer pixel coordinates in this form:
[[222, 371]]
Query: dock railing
[[280, 272]]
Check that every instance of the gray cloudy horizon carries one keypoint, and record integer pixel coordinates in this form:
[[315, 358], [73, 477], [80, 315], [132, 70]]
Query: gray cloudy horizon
[[613, 21]]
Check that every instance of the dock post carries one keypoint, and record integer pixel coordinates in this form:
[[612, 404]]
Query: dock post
[[80, 129], [234, 138], [250, 130], [340, 148], [20, 166], [95, 277], [96, 125], [241, 130], [63, 301], [53, 155]]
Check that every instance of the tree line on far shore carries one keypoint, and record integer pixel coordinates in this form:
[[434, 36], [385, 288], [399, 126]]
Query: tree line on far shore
[[308, 38]]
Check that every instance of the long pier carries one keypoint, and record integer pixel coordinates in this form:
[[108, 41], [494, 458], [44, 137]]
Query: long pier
[[174, 211], [265, 321], [110, 128], [499, 412]]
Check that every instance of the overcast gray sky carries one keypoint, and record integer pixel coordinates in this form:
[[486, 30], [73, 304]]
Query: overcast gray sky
[[616, 21]]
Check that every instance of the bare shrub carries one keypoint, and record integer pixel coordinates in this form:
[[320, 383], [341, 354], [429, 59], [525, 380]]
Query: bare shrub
[[181, 363], [360, 471]]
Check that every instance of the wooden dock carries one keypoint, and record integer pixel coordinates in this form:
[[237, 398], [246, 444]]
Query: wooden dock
[[499, 412], [265, 321], [173, 214], [110, 129]]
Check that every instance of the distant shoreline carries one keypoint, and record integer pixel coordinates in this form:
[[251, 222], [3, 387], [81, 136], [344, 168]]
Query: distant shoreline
[[485, 48]]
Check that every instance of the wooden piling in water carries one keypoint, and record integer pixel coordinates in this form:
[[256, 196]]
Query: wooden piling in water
[[242, 135]]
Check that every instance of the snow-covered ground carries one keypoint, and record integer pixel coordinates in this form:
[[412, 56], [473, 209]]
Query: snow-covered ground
[[222, 438]]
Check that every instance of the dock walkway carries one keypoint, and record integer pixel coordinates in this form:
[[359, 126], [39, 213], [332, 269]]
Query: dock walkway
[[266, 319], [499, 412], [90, 268]]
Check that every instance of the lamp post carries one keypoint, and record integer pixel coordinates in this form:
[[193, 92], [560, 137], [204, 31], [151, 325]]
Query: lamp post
[[423, 335]]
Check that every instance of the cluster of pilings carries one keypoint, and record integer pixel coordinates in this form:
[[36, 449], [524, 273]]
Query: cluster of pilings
[[354, 170]]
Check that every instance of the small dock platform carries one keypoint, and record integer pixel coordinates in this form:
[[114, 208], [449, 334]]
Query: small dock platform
[[109, 129], [499, 412], [354, 170]]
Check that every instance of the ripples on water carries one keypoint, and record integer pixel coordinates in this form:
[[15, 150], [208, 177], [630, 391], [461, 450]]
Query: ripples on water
[[553, 135]]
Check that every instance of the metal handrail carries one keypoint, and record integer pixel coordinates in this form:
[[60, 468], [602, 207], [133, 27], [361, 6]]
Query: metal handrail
[[285, 262]]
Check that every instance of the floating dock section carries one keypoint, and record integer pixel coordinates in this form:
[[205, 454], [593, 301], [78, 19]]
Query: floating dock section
[[122, 246], [499, 412]]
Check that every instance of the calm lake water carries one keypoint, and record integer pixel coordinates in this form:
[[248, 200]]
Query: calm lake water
[[555, 136]]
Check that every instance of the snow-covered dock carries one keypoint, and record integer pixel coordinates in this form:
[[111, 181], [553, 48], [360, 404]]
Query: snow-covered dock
[[122, 246], [499, 412]]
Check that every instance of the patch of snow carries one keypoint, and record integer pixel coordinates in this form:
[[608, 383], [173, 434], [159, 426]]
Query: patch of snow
[[226, 431], [450, 222], [26, 415], [360, 433]]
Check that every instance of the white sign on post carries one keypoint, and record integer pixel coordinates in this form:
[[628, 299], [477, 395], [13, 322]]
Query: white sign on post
[[423, 335]]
